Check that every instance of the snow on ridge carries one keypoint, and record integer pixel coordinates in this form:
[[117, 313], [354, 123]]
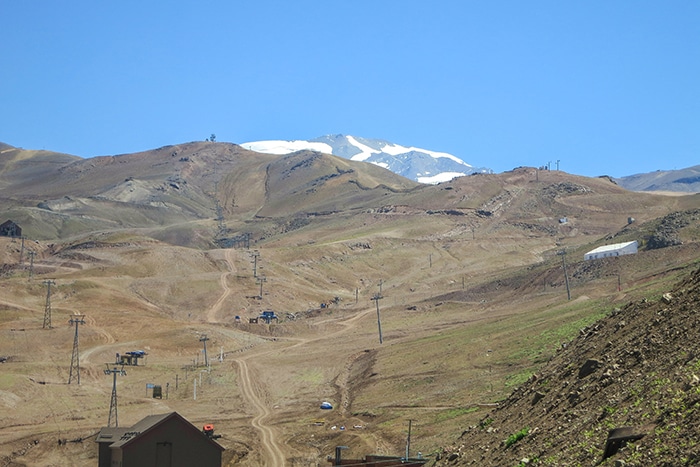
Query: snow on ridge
[[395, 150], [366, 151], [439, 178], [280, 147]]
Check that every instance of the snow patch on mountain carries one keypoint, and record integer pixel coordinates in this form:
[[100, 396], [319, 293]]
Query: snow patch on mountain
[[286, 147], [421, 165]]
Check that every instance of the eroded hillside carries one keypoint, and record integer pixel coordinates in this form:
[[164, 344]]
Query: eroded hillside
[[637, 368], [467, 276]]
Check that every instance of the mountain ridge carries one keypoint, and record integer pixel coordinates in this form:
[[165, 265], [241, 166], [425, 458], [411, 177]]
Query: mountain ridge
[[685, 180], [421, 165], [162, 248]]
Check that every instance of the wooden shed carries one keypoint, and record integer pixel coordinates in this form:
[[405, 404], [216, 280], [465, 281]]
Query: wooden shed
[[158, 441]]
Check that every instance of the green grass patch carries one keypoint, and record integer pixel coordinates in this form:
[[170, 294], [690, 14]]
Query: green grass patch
[[454, 413], [517, 436], [517, 379]]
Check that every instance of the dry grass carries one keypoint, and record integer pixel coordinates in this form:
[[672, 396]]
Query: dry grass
[[473, 301]]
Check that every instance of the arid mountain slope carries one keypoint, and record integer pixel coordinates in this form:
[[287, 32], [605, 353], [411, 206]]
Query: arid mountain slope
[[468, 275], [637, 368]]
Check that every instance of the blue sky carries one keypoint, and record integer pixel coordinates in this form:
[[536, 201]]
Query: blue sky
[[603, 87]]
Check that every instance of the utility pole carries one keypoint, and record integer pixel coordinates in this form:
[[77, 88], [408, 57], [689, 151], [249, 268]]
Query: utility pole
[[408, 440], [75, 358], [113, 403], [47, 307], [260, 281], [566, 276], [558, 165], [376, 298], [204, 340], [21, 252]]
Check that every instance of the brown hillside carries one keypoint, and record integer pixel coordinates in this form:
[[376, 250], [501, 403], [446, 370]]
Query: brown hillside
[[636, 368], [466, 279]]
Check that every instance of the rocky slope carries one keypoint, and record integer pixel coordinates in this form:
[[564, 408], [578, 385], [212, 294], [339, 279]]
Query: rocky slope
[[638, 370]]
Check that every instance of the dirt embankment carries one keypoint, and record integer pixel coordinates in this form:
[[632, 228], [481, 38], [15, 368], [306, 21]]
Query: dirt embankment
[[638, 369]]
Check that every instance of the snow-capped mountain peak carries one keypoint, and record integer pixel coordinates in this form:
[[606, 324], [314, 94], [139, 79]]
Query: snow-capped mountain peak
[[418, 164]]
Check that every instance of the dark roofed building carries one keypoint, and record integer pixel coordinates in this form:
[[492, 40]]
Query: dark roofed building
[[158, 440], [10, 229]]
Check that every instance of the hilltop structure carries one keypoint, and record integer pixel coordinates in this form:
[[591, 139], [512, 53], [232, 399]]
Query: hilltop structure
[[617, 249]]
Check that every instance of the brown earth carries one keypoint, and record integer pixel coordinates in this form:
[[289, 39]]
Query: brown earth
[[473, 303], [636, 368]]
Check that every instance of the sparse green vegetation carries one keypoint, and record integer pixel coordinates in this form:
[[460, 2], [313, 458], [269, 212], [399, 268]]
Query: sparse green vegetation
[[515, 437], [454, 413]]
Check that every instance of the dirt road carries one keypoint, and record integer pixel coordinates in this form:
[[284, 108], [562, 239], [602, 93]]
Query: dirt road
[[272, 449], [272, 453]]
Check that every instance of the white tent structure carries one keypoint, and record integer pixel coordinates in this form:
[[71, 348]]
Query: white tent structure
[[607, 251]]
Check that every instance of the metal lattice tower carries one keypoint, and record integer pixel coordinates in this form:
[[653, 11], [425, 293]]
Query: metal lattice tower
[[31, 263], [47, 307], [113, 403], [75, 358]]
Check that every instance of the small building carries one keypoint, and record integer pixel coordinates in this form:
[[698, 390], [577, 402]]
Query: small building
[[10, 229], [607, 251], [166, 439]]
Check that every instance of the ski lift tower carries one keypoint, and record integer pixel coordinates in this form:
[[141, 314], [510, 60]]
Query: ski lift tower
[[376, 299], [47, 307], [204, 340], [75, 357], [113, 402]]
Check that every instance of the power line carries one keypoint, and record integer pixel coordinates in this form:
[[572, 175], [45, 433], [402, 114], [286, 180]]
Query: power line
[[75, 358]]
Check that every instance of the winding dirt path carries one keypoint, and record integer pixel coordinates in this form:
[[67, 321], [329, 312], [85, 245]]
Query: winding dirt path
[[272, 453], [223, 279]]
